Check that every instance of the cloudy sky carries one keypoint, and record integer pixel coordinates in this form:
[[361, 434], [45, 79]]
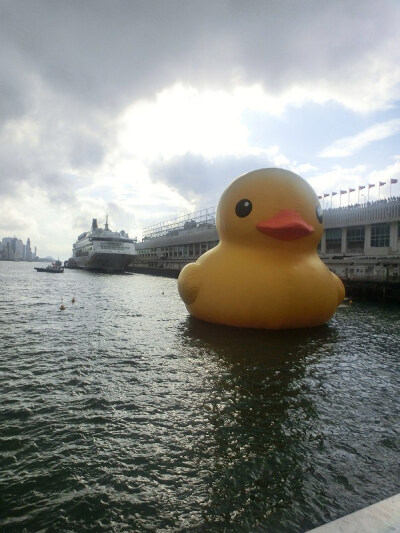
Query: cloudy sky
[[147, 109]]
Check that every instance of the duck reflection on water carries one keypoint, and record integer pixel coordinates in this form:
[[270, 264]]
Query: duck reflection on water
[[261, 416]]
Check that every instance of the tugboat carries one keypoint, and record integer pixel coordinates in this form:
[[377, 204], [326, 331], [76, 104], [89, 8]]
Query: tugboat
[[56, 268]]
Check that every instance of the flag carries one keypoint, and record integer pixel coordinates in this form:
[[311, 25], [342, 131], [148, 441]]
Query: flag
[[342, 192], [393, 180], [333, 193], [382, 183], [370, 185], [351, 190], [361, 187], [326, 194]]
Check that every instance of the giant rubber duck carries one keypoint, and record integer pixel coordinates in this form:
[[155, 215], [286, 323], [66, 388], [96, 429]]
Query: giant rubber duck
[[265, 272]]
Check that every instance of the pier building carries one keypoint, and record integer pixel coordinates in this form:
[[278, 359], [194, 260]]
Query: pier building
[[363, 241], [360, 242], [170, 245]]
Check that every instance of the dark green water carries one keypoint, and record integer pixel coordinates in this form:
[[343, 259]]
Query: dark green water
[[123, 414]]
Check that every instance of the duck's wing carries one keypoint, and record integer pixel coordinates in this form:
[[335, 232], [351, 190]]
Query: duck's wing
[[340, 288], [189, 283]]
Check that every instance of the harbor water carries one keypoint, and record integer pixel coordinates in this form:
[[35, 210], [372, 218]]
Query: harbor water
[[123, 414]]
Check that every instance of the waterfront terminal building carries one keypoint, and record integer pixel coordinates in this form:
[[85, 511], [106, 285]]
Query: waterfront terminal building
[[360, 242]]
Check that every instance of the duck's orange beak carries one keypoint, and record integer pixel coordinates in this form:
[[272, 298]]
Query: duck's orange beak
[[287, 225]]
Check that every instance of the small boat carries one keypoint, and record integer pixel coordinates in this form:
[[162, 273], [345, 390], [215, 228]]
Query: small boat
[[56, 268]]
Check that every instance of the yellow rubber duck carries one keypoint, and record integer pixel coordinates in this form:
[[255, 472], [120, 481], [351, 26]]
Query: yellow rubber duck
[[265, 272]]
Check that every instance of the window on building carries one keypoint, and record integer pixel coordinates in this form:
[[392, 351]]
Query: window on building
[[380, 235], [355, 239], [333, 238]]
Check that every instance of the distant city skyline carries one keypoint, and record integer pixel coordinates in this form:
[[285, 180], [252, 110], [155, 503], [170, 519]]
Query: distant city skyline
[[13, 249]]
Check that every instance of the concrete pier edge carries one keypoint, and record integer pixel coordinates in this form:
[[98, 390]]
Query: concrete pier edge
[[381, 517]]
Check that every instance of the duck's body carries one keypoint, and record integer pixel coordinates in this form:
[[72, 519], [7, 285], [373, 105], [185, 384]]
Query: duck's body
[[265, 272], [234, 288]]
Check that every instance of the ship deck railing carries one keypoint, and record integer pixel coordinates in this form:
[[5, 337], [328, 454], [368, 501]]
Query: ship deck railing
[[198, 219]]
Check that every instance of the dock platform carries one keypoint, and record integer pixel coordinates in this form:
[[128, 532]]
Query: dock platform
[[381, 517]]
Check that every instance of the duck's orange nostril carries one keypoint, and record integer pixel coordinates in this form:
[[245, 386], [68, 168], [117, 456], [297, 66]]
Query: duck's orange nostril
[[287, 225]]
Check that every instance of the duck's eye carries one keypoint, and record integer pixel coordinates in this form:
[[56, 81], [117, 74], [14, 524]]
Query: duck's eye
[[318, 212], [243, 208]]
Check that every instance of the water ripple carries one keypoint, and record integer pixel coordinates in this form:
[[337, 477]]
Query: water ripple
[[123, 414]]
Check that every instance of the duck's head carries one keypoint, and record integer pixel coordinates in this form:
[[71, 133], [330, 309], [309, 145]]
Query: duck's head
[[271, 207]]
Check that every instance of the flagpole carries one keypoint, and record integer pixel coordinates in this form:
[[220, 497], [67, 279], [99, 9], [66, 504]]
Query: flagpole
[[392, 182], [380, 185]]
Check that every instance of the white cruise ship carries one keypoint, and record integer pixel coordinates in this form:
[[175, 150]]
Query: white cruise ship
[[102, 249]]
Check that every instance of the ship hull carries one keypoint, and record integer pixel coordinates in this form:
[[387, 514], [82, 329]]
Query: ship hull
[[102, 262]]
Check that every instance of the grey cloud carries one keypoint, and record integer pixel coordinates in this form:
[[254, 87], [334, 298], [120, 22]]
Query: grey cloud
[[108, 53], [36, 151], [197, 178], [14, 101], [98, 56], [68, 63], [86, 150], [120, 217], [42, 169], [15, 168], [57, 187], [14, 220]]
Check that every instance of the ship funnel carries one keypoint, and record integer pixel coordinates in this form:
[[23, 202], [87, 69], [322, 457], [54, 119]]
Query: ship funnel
[[94, 223]]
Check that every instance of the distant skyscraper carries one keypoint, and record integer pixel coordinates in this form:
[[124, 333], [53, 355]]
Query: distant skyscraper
[[17, 247], [28, 250], [6, 247]]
